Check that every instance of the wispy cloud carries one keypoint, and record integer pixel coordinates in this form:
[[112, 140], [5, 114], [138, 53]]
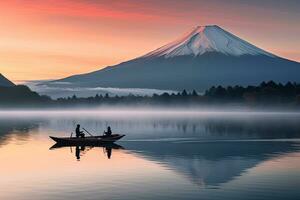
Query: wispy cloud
[[66, 91]]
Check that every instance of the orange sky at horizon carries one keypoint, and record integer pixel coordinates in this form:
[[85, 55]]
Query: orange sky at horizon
[[53, 39]]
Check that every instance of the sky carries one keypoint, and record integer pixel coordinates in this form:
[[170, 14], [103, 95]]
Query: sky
[[50, 39]]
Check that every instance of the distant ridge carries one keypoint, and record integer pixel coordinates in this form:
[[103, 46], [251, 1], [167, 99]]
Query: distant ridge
[[205, 57], [5, 82]]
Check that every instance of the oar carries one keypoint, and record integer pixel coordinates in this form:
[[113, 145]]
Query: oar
[[87, 132]]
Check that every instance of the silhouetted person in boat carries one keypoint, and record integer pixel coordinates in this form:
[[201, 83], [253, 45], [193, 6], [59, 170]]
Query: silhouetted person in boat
[[108, 132], [78, 132]]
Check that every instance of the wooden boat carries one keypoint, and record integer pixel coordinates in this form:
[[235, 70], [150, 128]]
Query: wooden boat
[[89, 140]]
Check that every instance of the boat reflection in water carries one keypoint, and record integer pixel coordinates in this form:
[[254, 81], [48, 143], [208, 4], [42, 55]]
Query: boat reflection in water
[[82, 149]]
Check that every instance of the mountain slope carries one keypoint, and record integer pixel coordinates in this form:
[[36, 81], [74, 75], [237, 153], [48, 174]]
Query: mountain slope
[[5, 82], [205, 57]]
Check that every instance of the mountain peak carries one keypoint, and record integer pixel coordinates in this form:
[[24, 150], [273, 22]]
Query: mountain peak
[[204, 39], [201, 28]]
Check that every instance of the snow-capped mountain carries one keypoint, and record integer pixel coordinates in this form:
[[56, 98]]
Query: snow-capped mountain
[[205, 39], [205, 57], [5, 82]]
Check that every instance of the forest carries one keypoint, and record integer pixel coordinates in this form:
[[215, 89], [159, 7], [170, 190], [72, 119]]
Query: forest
[[265, 94]]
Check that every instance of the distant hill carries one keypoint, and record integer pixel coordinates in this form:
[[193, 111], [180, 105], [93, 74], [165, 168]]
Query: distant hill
[[205, 57], [20, 95], [5, 82]]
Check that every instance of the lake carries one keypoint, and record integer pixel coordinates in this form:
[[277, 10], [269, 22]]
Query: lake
[[165, 155]]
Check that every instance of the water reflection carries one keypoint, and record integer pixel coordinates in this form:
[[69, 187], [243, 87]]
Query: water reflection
[[201, 127], [211, 163], [205, 163], [267, 127], [19, 128], [161, 157], [81, 150]]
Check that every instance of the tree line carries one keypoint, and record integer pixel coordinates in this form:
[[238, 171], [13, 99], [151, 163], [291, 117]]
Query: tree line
[[267, 93]]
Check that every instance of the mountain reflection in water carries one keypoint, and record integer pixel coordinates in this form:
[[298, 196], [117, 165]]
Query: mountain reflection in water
[[211, 163], [205, 163]]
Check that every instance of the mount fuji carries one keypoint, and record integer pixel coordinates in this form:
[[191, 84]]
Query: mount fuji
[[206, 56]]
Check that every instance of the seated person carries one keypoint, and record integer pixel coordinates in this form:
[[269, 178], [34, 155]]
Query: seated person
[[108, 132], [78, 132]]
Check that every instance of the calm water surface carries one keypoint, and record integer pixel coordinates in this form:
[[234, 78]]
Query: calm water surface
[[165, 155]]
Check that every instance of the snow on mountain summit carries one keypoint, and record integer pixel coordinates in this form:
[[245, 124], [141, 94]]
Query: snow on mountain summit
[[203, 39]]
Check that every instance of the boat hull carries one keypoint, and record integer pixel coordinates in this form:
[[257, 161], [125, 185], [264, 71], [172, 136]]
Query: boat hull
[[87, 140]]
